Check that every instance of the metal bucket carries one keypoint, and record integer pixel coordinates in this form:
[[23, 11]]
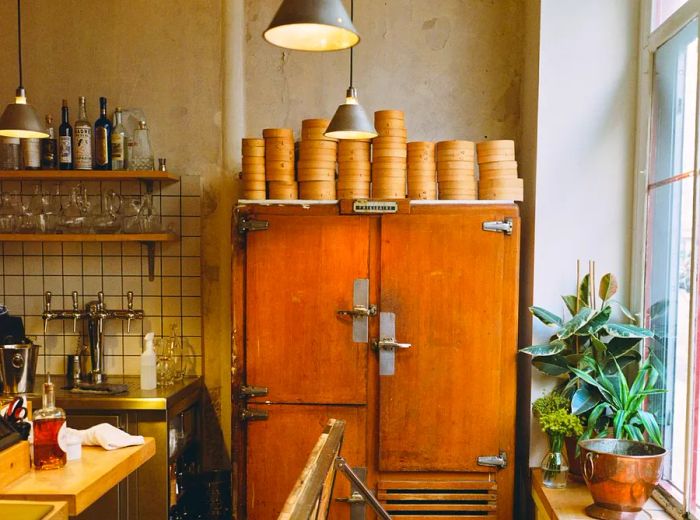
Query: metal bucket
[[621, 475], [18, 367]]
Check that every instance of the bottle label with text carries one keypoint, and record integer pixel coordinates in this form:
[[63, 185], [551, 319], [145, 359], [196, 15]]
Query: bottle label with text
[[117, 146], [101, 146], [83, 148], [65, 149]]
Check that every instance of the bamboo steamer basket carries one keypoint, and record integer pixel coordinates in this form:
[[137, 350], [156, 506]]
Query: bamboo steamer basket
[[279, 142], [421, 146], [422, 173], [490, 194], [317, 155], [253, 184], [254, 151], [278, 132], [353, 193], [495, 158], [501, 184], [318, 164], [254, 195], [457, 196], [315, 174], [455, 165], [318, 145], [354, 144], [498, 174], [247, 159], [455, 144], [283, 190], [389, 183], [253, 142], [317, 190], [384, 124], [454, 175], [279, 175], [455, 154], [393, 132], [496, 146], [388, 141], [315, 134], [279, 165], [422, 193], [389, 152], [500, 165], [363, 176], [381, 173], [388, 114], [359, 156], [388, 192], [315, 123], [353, 186], [354, 166], [251, 172], [459, 186]]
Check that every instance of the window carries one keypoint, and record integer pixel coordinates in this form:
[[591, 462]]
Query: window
[[669, 247]]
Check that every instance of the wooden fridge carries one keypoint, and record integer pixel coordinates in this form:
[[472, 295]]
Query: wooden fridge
[[402, 324]]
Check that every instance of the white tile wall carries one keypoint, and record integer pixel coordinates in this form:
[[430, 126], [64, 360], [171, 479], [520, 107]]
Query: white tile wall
[[27, 270]]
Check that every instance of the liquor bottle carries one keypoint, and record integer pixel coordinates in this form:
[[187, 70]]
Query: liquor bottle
[[49, 427], [48, 147], [31, 153], [82, 154], [65, 140], [141, 157], [103, 136], [119, 142]]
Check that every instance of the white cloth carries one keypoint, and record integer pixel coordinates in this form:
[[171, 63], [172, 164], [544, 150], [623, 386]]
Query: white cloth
[[107, 436]]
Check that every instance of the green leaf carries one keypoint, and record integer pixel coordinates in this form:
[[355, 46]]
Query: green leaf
[[627, 313], [608, 287], [651, 426], [619, 423], [599, 346], [584, 400], [596, 322], [573, 359], [619, 346], [574, 324], [584, 291], [570, 302], [585, 376], [620, 330], [634, 433], [544, 350], [548, 318], [551, 365]]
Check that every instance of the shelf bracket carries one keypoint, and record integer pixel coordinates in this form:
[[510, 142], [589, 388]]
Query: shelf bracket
[[151, 251], [149, 186]]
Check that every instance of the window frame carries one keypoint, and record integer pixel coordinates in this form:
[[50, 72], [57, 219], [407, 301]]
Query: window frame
[[649, 43]]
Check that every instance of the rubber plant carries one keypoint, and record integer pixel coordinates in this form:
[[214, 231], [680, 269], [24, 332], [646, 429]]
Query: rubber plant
[[588, 334]]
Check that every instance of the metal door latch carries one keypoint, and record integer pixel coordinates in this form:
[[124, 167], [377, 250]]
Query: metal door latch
[[249, 224], [247, 391], [253, 415], [504, 226], [499, 461], [361, 310], [387, 345]]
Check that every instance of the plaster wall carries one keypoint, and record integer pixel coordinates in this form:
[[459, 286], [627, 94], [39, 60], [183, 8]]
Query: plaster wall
[[585, 153]]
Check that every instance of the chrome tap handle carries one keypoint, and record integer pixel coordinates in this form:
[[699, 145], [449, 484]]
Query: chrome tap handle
[[47, 301], [76, 314], [101, 299], [130, 300]]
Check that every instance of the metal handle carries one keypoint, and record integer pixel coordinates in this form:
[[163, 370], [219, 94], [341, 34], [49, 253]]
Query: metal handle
[[101, 299], [130, 300], [590, 461], [47, 301], [359, 310], [355, 498], [74, 295], [390, 344], [18, 360]]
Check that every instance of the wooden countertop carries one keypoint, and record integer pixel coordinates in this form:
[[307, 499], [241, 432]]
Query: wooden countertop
[[58, 511], [570, 503], [81, 482]]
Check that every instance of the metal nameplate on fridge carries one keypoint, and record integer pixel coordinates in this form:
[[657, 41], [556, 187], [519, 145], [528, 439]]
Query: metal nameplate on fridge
[[374, 206]]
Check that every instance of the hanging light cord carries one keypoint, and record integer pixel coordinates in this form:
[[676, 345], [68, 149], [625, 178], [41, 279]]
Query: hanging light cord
[[19, 41], [352, 15]]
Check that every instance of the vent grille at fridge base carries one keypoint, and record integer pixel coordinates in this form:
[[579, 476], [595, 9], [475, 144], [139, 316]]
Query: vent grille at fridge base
[[440, 499]]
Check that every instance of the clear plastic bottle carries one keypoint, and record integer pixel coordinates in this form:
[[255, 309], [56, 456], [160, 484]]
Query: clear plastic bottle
[[49, 426], [141, 157], [148, 364]]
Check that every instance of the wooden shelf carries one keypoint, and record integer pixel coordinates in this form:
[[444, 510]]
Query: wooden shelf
[[81, 482], [88, 175], [88, 237]]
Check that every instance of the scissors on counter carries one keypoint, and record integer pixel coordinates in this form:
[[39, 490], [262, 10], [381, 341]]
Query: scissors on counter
[[16, 411]]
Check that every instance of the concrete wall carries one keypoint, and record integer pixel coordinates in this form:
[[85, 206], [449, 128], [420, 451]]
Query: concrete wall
[[585, 151], [453, 66]]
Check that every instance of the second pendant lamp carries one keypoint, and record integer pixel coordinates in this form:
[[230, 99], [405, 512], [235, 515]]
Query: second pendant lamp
[[350, 120]]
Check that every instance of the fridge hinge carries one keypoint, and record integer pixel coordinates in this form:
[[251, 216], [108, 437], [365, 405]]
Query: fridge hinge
[[504, 226], [250, 224], [499, 461], [247, 391], [253, 415]]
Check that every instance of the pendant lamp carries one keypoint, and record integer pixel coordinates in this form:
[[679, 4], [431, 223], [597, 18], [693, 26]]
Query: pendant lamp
[[312, 25], [19, 118], [350, 120]]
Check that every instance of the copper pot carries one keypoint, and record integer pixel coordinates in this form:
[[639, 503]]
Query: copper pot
[[621, 475]]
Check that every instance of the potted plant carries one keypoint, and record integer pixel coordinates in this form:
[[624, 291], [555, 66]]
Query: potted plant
[[557, 422], [588, 333]]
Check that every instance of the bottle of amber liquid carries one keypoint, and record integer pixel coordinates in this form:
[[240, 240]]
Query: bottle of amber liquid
[[49, 425]]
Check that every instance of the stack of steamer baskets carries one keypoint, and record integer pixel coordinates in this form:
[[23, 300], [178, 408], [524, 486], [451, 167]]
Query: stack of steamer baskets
[[455, 170], [421, 170], [498, 171], [279, 163], [389, 155], [253, 168], [354, 168], [317, 157]]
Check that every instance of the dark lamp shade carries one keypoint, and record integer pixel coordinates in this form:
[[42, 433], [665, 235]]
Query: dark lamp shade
[[20, 120], [350, 121], [312, 25]]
